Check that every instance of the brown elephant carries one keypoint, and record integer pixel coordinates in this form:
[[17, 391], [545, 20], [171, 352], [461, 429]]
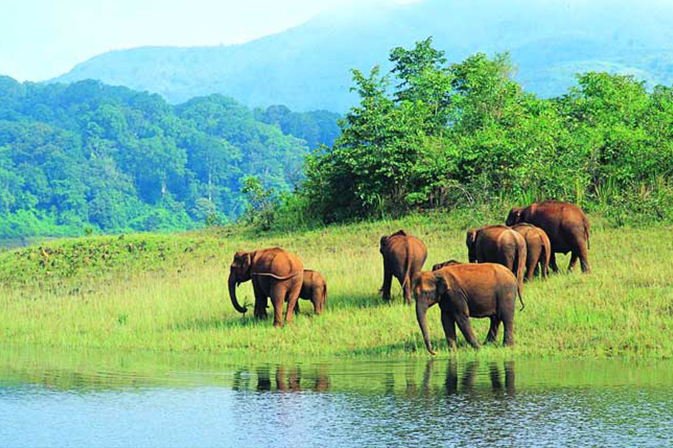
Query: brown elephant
[[275, 273], [314, 288], [403, 257], [538, 249], [464, 291], [498, 244], [565, 224], [438, 266]]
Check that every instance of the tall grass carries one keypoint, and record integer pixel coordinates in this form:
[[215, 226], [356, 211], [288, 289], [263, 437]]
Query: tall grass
[[176, 299]]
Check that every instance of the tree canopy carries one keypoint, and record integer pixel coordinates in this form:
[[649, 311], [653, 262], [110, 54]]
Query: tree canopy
[[87, 155]]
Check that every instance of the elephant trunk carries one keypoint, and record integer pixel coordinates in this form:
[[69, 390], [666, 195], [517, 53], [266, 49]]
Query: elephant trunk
[[232, 294], [421, 312]]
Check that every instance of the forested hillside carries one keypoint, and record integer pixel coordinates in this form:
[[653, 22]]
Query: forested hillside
[[307, 67], [89, 156]]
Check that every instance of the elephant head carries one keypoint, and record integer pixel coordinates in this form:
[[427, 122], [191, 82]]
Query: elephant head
[[240, 271], [431, 288], [427, 292], [470, 238], [514, 216]]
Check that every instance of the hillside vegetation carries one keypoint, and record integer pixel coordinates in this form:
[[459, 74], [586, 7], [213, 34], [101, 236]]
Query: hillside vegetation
[[111, 159], [155, 292], [307, 67]]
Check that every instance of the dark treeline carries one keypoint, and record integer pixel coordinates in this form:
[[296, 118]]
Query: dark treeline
[[433, 135], [90, 156]]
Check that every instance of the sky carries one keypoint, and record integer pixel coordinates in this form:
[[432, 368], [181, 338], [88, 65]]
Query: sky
[[41, 39]]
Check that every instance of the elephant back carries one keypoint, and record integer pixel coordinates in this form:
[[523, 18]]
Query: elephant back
[[278, 262]]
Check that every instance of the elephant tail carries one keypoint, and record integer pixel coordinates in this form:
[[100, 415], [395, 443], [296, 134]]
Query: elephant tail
[[324, 290], [408, 269], [586, 229], [520, 294], [520, 261], [277, 277]]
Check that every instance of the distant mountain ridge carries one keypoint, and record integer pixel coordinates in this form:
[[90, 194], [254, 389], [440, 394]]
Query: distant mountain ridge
[[308, 67]]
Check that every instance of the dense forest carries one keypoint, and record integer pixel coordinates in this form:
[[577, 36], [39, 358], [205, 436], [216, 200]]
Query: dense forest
[[429, 134], [89, 157]]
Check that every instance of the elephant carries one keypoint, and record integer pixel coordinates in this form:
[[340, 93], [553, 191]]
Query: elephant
[[538, 248], [314, 288], [565, 224], [439, 266], [275, 273], [464, 291], [403, 257], [498, 244]]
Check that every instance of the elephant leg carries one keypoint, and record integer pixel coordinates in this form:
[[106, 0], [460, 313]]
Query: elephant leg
[[584, 257], [260, 301], [508, 324], [292, 295], [296, 308], [463, 322], [278, 294], [406, 290], [387, 283], [493, 330], [552, 262], [449, 326], [573, 261], [530, 267]]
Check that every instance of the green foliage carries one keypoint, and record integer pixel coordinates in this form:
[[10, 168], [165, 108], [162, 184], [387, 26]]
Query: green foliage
[[262, 203], [464, 134], [111, 159]]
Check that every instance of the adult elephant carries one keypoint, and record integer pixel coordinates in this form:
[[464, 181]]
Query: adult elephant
[[538, 248], [403, 257], [498, 244], [565, 224], [275, 273], [464, 291]]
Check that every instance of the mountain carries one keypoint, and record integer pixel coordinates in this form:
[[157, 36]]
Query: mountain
[[308, 67], [88, 155]]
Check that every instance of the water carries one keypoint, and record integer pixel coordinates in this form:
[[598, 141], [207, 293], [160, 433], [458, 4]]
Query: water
[[109, 400]]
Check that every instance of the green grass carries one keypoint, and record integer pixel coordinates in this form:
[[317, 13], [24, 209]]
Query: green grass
[[97, 292]]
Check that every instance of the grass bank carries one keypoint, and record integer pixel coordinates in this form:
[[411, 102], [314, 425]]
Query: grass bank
[[168, 293]]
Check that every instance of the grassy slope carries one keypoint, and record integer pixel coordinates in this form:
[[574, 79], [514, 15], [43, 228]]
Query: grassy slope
[[171, 295]]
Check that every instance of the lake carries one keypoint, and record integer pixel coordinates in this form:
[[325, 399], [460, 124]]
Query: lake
[[96, 399]]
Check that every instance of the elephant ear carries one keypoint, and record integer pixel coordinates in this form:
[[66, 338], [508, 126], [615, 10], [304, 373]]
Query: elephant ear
[[455, 290], [441, 284], [471, 236], [383, 242]]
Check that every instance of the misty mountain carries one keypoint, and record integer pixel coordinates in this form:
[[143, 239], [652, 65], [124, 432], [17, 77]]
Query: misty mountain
[[308, 67]]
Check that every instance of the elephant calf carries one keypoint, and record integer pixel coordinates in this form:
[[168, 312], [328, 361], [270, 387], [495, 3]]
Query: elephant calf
[[314, 289], [538, 249], [464, 291]]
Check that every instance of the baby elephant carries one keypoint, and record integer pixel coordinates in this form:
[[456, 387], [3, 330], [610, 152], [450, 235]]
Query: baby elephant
[[314, 289], [464, 291], [439, 266], [538, 249]]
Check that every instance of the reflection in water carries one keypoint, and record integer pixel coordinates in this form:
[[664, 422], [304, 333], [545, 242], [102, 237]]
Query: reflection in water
[[115, 400]]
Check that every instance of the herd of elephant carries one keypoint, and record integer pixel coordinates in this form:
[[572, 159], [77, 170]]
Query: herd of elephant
[[500, 258]]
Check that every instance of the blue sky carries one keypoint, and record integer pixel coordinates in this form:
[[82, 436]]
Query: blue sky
[[40, 39]]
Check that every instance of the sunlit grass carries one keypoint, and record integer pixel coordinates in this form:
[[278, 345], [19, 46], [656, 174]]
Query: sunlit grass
[[175, 298]]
